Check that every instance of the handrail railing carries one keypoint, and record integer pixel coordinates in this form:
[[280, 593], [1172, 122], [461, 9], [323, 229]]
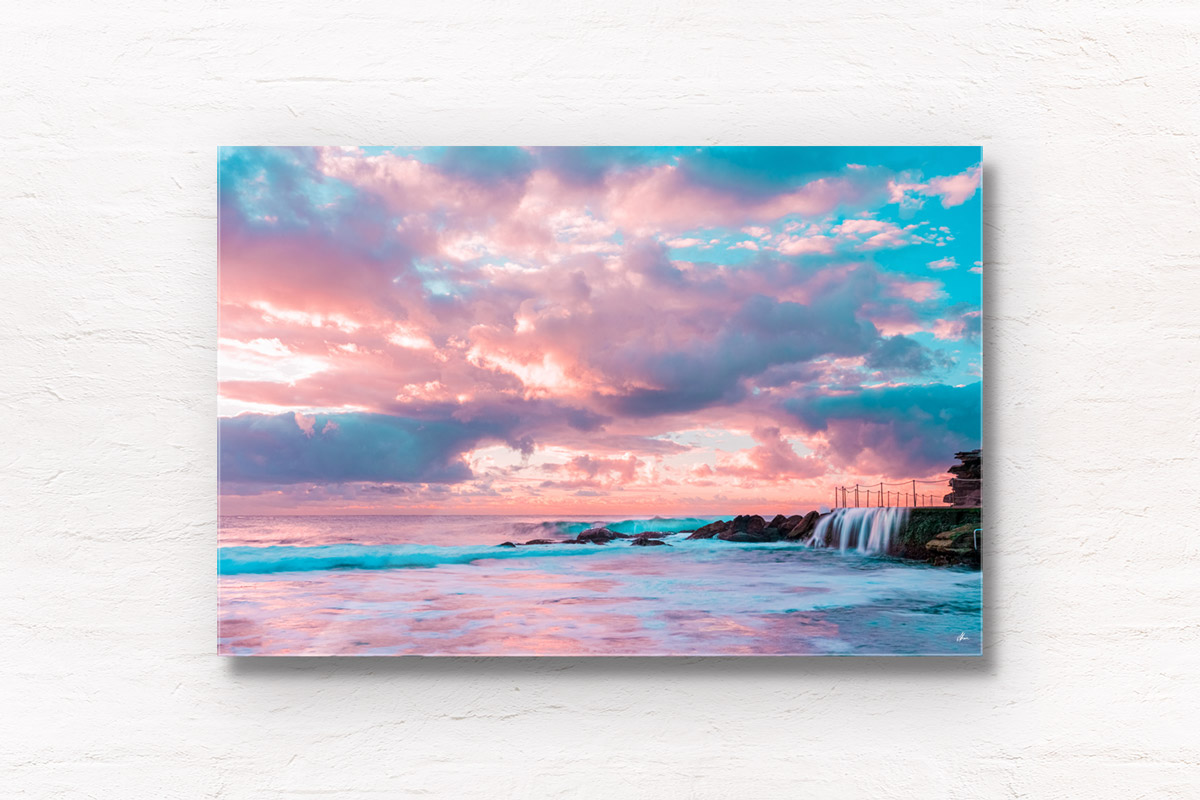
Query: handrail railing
[[860, 494]]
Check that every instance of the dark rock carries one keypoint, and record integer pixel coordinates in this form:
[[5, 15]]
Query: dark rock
[[600, 536], [506, 544], [544, 541], [710, 530], [746, 524], [642, 540], [779, 521], [743, 536], [955, 546], [791, 522], [753, 526], [750, 524], [942, 536], [804, 528]]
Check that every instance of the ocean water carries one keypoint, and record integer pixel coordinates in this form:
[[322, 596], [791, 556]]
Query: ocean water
[[439, 585]]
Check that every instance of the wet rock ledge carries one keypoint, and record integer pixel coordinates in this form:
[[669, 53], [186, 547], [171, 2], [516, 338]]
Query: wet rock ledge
[[938, 536], [756, 529]]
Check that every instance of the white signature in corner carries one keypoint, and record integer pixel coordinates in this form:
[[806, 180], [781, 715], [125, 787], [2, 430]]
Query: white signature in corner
[[962, 637]]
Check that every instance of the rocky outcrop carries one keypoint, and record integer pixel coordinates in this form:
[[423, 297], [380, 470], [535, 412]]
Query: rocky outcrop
[[753, 528], [800, 528], [743, 525], [966, 487], [600, 536], [710, 530], [748, 528], [649, 540], [545, 541], [506, 544]]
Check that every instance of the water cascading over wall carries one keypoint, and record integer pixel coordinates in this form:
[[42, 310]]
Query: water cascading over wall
[[870, 531]]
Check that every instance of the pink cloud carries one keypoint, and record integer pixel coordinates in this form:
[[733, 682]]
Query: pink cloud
[[952, 189], [915, 290], [305, 423], [955, 328], [683, 242], [663, 197], [956, 189], [943, 263], [772, 460], [799, 245], [875, 234], [860, 234], [411, 186]]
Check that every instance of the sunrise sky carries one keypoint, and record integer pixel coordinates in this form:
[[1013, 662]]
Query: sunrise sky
[[660, 330]]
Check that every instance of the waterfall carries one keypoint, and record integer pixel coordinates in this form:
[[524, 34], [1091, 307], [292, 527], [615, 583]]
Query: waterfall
[[871, 531]]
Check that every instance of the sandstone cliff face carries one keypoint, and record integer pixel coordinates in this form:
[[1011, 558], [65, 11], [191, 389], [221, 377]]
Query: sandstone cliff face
[[943, 536], [966, 487]]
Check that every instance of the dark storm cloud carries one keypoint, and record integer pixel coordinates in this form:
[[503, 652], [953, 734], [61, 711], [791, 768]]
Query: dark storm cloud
[[333, 448], [904, 430]]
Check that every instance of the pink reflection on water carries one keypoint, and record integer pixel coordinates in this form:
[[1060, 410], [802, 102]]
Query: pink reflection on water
[[698, 599]]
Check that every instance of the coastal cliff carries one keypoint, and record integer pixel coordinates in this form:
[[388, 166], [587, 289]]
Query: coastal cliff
[[966, 487]]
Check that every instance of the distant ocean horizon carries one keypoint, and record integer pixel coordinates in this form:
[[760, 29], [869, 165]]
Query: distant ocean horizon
[[439, 529]]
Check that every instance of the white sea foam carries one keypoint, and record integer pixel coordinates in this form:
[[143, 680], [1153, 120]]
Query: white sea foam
[[694, 597]]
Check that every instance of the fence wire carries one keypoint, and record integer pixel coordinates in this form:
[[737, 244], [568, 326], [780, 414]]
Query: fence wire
[[860, 495]]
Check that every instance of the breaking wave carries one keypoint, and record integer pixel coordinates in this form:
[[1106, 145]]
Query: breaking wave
[[551, 528], [265, 560]]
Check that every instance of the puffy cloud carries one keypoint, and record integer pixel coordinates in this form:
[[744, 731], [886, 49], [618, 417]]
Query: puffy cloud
[[285, 448], [875, 234], [762, 333], [900, 355], [956, 189], [611, 469], [953, 190], [943, 263], [899, 432], [690, 242], [966, 325], [307, 424], [773, 459], [861, 234], [799, 245]]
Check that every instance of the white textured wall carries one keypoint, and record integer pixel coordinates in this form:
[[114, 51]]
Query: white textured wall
[[111, 113]]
